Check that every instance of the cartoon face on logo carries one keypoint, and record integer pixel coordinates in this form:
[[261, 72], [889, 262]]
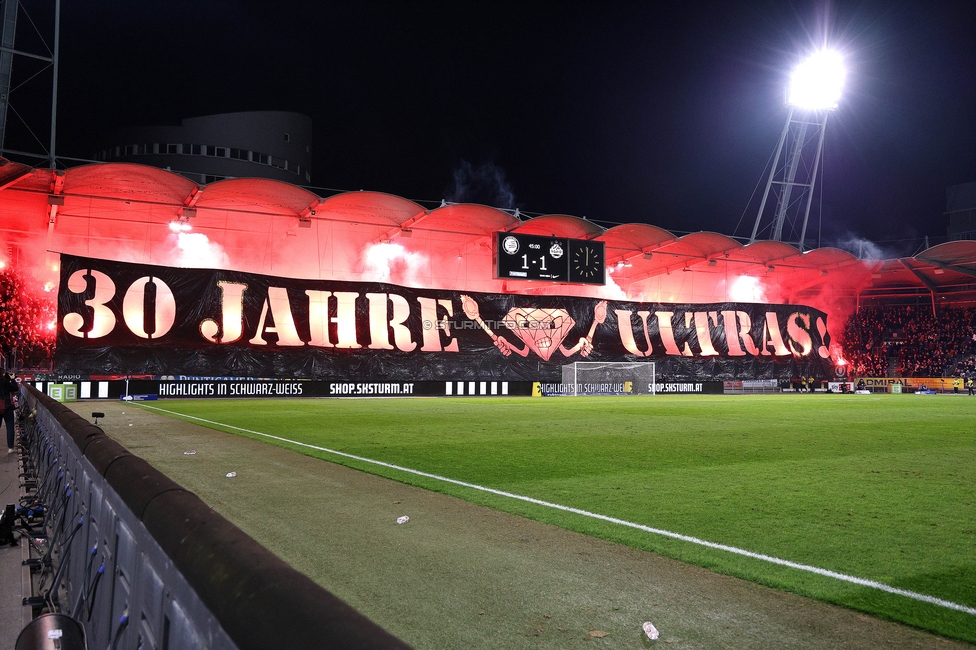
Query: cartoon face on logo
[[540, 329]]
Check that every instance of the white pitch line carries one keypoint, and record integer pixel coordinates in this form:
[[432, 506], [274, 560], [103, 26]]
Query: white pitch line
[[594, 515]]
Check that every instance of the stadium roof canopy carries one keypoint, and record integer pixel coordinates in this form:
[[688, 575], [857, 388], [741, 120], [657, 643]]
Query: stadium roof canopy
[[126, 212]]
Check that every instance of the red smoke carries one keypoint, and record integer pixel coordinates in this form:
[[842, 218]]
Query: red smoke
[[125, 212], [27, 320]]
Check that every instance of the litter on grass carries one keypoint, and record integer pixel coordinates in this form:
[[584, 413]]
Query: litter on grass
[[189, 453], [650, 630], [231, 474], [402, 520]]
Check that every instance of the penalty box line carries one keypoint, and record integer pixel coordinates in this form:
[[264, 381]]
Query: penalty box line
[[880, 586]]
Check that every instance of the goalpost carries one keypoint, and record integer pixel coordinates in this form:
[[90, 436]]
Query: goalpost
[[609, 378]]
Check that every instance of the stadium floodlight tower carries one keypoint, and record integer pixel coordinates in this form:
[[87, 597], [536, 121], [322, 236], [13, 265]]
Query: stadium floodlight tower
[[815, 90]]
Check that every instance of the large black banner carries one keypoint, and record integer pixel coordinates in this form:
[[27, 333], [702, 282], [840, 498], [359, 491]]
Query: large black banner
[[116, 317]]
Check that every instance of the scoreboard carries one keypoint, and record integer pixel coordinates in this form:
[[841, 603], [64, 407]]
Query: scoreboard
[[553, 259]]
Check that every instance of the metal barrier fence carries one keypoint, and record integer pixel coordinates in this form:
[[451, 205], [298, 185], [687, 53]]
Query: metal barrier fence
[[141, 562]]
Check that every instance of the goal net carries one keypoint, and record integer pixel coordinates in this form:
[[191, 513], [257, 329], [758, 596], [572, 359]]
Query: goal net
[[606, 378]]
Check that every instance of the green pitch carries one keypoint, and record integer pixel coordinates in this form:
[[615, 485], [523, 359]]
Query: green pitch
[[877, 487]]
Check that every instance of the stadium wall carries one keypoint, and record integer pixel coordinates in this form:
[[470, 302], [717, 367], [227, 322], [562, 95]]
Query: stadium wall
[[179, 574]]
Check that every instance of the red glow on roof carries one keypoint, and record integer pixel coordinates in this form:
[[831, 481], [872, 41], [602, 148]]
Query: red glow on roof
[[125, 211]]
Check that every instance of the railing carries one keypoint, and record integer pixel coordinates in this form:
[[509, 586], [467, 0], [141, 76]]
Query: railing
[[141, 562]]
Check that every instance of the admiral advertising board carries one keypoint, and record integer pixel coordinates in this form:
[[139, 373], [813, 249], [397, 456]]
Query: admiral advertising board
[[937, 383]]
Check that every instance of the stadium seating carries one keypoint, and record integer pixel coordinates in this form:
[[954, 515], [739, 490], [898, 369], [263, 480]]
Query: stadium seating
[[911, 342]]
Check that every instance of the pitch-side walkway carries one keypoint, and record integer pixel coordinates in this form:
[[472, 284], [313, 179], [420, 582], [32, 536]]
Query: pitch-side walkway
[[11, 612], [459, 575]]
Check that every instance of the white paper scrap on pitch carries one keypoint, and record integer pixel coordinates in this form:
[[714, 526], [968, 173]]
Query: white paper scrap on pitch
[[650, 631], [231, 474], [402, 520]]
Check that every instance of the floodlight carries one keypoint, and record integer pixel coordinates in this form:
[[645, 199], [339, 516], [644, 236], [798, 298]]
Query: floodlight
[[817, 82], [815, 88]]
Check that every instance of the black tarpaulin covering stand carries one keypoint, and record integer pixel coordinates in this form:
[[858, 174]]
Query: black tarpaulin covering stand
[[121, 318]]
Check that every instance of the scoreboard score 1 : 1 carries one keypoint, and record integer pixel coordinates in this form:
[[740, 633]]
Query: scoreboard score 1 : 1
[[553, 259]]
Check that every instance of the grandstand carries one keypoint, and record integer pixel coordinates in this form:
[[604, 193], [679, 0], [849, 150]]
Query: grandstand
[[147, 215], [911, 342]]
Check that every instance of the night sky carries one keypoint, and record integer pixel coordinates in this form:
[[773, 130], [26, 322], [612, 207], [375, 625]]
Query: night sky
[[620, 112]]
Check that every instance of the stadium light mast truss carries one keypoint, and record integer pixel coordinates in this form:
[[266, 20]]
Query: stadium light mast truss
[[815, 90], [8, 32]]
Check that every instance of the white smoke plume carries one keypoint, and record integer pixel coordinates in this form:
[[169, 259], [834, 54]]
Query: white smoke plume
[[485, 184], [388, 262], [611, 290], [195, 250], [864, 249], [747, 288]]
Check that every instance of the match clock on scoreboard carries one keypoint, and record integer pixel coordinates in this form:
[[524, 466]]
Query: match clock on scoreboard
[[553, 259]]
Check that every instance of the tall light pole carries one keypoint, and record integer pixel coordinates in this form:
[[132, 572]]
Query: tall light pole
[[8, 33], [815, 90], [52, 159]]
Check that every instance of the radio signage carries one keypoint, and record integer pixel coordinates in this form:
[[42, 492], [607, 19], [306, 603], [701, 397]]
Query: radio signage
[[553, 259]]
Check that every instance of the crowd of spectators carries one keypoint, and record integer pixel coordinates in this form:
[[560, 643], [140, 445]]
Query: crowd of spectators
[[27, 319], [911, 342]]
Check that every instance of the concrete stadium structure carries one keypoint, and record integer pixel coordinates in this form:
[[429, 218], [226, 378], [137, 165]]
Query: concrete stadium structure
[[264, 144], [137, 213]]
